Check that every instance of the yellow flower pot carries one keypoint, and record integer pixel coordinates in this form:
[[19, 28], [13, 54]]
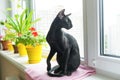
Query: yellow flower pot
[[22, 49], [10, 47], [34, 53]]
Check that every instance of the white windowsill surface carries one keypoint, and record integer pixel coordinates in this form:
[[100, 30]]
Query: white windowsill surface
[[21, 63]]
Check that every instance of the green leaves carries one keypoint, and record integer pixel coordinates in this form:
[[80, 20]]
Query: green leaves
[[9, 9], [30, 39], [11, 23], [21, 23]]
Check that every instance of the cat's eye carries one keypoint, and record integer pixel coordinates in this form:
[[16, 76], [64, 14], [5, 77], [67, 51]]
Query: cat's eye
[[66, 20]]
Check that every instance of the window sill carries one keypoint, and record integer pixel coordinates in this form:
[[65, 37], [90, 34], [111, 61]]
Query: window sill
[[107, 66], [21, 63], [18, 61], [15, 59], [98, 77]]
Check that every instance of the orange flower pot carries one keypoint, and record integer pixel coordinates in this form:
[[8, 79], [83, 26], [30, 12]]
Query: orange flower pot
[[5, 44], [34, 54]]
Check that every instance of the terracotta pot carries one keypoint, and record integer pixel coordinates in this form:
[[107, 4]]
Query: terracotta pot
[[5, 44], [15, 49]]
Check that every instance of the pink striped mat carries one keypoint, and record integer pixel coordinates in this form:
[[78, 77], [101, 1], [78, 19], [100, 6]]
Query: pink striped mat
[[38, 72]]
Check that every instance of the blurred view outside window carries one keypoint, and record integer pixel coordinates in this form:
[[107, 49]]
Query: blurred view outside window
[[111, 27]]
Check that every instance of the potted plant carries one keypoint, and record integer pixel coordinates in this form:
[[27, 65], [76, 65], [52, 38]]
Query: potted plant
[[7, 39], [20, 24], [33, 42]]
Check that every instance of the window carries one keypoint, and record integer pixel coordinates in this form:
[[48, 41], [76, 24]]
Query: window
[[4, 5], [48, 9], [101, 16], [18, 6], [110, 28]]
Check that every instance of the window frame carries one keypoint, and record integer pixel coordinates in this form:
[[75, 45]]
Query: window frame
[[101, 21], [105, 65]]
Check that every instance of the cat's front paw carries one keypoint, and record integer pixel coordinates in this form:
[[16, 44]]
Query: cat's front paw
[[67, 73]]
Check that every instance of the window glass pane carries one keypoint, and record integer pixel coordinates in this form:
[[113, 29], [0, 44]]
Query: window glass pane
[[48, 9], [16, 6], [111, 27]]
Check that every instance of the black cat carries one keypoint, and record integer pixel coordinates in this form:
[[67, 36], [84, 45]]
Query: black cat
[[65, 45]]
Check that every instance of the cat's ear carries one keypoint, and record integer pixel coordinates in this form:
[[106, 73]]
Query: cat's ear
[[61, 14], [68, 14]]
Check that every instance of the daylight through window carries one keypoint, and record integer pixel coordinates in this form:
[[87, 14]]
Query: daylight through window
[[110, 27], [48, 9]]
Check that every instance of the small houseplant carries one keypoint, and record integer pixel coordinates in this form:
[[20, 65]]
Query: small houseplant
[[33, 42], [20, 24], [7, 37]]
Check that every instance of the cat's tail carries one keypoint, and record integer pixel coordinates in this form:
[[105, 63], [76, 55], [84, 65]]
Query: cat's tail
[[52, 72]]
